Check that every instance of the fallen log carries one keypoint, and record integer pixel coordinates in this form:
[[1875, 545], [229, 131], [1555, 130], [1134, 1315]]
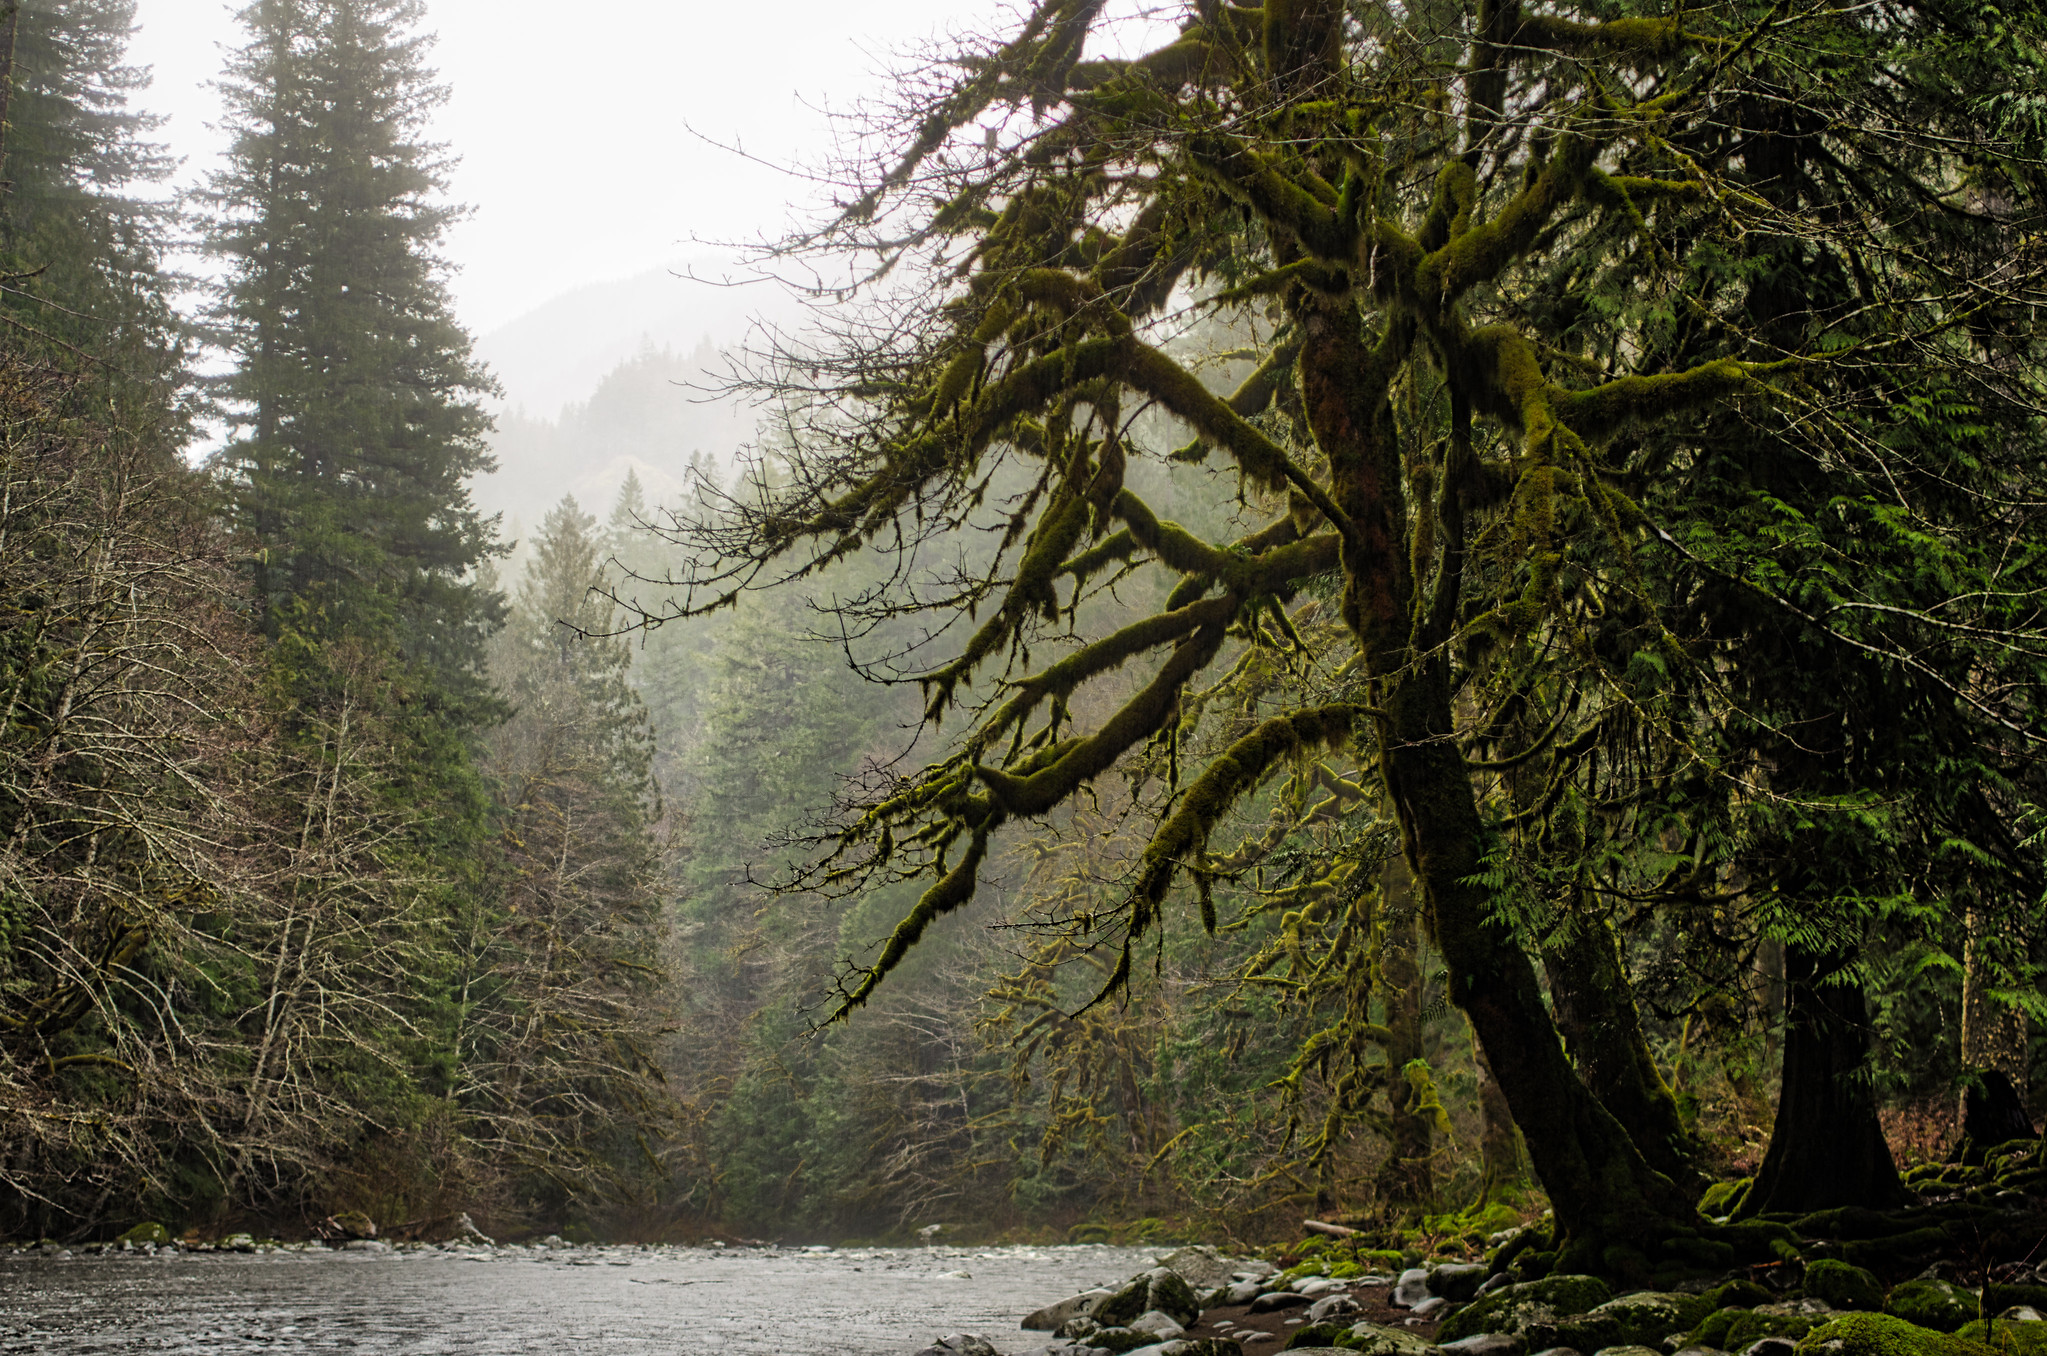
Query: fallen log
[[1316, 1226]]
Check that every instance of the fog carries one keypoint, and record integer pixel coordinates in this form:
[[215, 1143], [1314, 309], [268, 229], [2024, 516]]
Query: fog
[[610, 153]]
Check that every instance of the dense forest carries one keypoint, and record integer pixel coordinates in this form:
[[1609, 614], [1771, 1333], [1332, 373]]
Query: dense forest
[[1401, 615]]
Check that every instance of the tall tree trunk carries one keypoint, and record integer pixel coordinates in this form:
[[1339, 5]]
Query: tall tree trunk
[[1602, 1030], [1612, 1207], [1503, 1176], [1826, 1148], [1993, 1035], [1405, 1182]]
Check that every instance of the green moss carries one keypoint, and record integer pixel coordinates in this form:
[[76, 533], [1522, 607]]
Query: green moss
[[1724, 1198], [1843, 1286], [1886, 1253], [1883, 1335], [1931, 1304], [1647, 1317], [1736, 1294], [1734, 1329], [1849, 1221], [2007, 1338], [1551, 1312], [149, 1232]]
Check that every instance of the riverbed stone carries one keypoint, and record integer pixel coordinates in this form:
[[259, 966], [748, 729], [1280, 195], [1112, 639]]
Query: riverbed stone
[[147, 1232], [1243, 1292], [1331, 1306], [1488, 1344], [1457, 1282], [1202, 1267], [1552, 1312], [1158, 1323], [1647, 1316], [1083, 1305], [1158, 1288], [1275, 1300], [1411, 1289], [1939, 1305]]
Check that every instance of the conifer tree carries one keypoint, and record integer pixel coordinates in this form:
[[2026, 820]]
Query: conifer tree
[[354, 390]]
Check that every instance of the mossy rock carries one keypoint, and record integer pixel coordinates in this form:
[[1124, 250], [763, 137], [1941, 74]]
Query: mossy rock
[[1521, 1308], [1647, 1317], [1931, 1304], [1155, 1289], [1735, 1329], [147, 1232], [1724, 1198], [1740, 1293], [1998, 1298], [1119, 1340], [1377, 1340], [1848, 1222], [1843, 1286], [1886, 1253], [1883, 1335], [2007, 1338]]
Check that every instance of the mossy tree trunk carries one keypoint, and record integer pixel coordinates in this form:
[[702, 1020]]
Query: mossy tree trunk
[[1827, 1148], [1406, 1181], [1503, 1176], [1602, 1030]]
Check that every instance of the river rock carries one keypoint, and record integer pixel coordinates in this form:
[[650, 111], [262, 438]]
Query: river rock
[[961, 1344], [149, 1232], [1314, 1287], [1647, 1317], [1277, 1299], [1378, 1340], [1770, 1346], [1189, 1346], [366, 1245], [1243, 1292], [1411, 1289], [1488, 1344], [1083, 1305], [1157, 1323], [1158, 1288], [354, 1224], [1331, 1306], [1202, 1267], [1430, 1307], [1457, 1282]]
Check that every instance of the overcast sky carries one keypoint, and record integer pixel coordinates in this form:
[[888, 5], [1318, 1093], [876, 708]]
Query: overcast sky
[[571, 120]]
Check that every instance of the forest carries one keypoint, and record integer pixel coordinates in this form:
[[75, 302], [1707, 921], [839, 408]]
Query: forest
[[1423, 617]]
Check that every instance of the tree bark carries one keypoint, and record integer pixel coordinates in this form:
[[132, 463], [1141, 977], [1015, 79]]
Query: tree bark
[[1503, 1176], [1602, 1031], [1994, 1036], [1826, 1147], [1406, 1181]]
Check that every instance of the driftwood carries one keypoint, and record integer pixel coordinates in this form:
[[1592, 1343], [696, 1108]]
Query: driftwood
[[1316, 1226]]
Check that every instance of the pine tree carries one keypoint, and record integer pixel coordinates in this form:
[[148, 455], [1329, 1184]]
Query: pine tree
[[80, 236], [354, 389]]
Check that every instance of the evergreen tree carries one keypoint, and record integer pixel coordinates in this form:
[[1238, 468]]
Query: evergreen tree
[[80, 236], [354, 389]]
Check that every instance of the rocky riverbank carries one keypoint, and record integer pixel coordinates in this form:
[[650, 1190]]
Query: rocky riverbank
[[1196, 1302]]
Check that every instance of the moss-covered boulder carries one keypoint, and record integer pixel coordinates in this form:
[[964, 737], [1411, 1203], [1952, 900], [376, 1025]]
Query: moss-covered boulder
[[1631, 1349], [1938, 1305], [1883, 1335], [1724, 1198], [1529, 1306], [1371, 1338], [1647, 1316], [1159, 1289], [1735, 1329], [147, 1232], [1739, 1293], [2007, 1338], [1843, 1286], [1550, 1311]]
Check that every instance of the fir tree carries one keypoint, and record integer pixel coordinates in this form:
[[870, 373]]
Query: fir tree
[[354, 389]]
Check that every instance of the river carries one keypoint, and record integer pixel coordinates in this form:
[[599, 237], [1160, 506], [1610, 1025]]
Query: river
[[610, 1301]]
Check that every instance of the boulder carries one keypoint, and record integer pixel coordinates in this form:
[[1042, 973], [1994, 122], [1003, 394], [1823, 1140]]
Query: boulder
[[1155, 1289], [1203, 1268], [1628, 1349], [1843, 1286], [961, 1344], [1158, 1324], [1276, 1300], [1377, 1340], [1737, 1329], [1243, 1292], [1938, 1305], [1488, 1344], [1551, 1312], [148, 1232], [1883, 1335], [1331, 1307], [1647, 1316], [1430, 1307], [1770, 1346], [1184, 1346], [355, 1224], [1051, 1316], [2008, 1336], [1457, 1282], [1411, 1289]]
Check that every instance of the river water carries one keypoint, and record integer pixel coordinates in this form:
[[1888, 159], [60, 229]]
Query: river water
[[616, 1301]]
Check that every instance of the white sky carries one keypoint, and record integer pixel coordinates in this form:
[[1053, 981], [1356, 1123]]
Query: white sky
[[571, 120]]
